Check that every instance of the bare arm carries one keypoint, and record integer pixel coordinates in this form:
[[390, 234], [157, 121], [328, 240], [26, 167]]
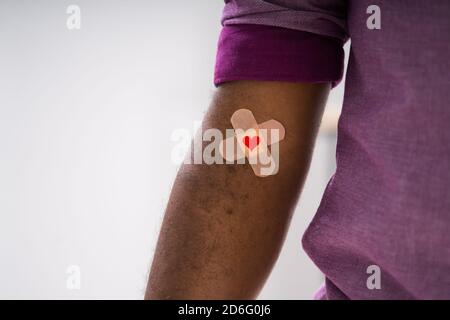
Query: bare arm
[[224, 227]]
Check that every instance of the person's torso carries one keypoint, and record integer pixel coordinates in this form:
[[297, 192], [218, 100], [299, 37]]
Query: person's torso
[[388, 204]]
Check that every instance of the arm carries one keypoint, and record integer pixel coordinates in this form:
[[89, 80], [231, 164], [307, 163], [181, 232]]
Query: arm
[[224, 227]]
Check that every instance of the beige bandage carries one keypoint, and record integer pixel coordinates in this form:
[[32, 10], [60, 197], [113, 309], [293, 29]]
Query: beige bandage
[[253, 141]]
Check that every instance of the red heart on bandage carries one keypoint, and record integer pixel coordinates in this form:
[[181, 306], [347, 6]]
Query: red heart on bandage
[[252, 142]]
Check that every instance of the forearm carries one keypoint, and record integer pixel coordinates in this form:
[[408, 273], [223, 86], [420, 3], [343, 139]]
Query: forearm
[[224, 226]]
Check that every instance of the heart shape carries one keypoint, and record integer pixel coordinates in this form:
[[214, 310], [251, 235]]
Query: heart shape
[[252, 142]]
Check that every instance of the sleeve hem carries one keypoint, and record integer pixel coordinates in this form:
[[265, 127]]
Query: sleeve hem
[[267, 53]]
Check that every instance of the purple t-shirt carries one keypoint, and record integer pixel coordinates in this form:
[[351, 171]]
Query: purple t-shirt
[[388, 203]]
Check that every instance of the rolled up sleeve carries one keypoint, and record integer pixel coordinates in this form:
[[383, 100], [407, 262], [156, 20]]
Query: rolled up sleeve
[[294, 41]]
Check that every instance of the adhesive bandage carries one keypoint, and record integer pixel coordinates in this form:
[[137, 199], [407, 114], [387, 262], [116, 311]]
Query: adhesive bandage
[[252, 141]]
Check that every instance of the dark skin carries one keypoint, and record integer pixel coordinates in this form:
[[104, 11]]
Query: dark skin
[[224, 227]]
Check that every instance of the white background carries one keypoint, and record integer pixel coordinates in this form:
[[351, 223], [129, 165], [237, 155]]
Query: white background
[[86, 118]]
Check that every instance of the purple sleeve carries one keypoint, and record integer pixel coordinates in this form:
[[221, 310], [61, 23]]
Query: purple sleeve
[[282, 40], [265, 53]]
